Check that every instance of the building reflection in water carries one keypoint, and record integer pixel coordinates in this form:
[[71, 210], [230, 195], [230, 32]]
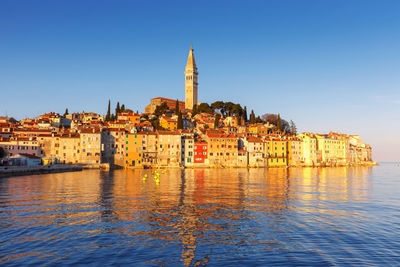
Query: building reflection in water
[[192, 207]]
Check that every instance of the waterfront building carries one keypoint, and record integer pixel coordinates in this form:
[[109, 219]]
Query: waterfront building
[[295, 151], [134, 150], [169, 148], [90, 139], [275, 148], [187, 149], [47, 143], [68, 148], [201, 152], [222, 149], [357, 151], [17, 145], [113, 146], [24, 159], [150, 149], [332, 148], [309, 148], [255, 151]]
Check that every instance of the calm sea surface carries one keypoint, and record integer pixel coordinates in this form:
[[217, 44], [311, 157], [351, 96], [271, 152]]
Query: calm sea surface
[[299, 216]]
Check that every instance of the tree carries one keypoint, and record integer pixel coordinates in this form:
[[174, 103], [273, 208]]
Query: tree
[[258, 120], [122, 108], [237, 110], [252, 117], [273, 119], [161, 109], [117, 109], [245, 114], [279, 123], [108, 116], [3, 153], [155, 122], [216, 121], [293, 128], [204, 107], [180, 121], [220, 105], [194, 110], [66, 112], [177, 107]]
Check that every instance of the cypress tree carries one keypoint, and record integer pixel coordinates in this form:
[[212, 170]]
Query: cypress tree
[[108, 116], [66, 112], [279, 123], [245, 114], [122, 108], [216, 122], [117, 109], [194, 110], [177, 107], [180, 121], [252, 117]]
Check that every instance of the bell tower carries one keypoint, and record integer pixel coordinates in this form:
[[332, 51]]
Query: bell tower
[[191, 81]]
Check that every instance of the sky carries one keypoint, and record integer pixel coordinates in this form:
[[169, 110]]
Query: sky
[[326, 65]]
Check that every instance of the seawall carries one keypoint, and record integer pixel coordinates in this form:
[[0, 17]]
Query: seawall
[[8, 171]]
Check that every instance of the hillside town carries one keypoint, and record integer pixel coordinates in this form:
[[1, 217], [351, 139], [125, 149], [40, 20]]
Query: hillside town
[[173, 133]]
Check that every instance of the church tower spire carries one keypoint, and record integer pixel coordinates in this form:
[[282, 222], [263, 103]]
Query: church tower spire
[[191, 81]]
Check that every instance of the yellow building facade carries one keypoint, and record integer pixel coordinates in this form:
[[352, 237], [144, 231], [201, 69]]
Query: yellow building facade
[[133, 150]]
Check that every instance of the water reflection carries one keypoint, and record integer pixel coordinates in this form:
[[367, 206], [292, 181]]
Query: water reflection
[[194, 216]]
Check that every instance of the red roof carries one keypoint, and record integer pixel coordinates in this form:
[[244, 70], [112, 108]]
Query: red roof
[[254, 139], [29, 156]]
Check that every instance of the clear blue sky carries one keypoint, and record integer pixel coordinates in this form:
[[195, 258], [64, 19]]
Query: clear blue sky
[[327, 65]]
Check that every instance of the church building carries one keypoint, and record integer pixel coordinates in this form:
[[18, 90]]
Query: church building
[[191, 81], [191, 84]]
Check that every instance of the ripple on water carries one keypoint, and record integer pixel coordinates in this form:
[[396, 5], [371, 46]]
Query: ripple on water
[[309, 216]]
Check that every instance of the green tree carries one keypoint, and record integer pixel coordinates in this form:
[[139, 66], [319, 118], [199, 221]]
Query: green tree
[[237, 110], [252, 117], [279, 123], [259, 120], [204, 107], [117, 109], [218, 105], [229, 108], [244, 114], [216, 122], [108, 115], [180, 121], [161, 109], [293, 128], [194, 110], [177, 107], [122, 108], [155, 122], [66, 112]]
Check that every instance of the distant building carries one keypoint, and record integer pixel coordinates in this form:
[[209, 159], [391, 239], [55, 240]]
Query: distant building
[[154, 102], [24, 160]]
